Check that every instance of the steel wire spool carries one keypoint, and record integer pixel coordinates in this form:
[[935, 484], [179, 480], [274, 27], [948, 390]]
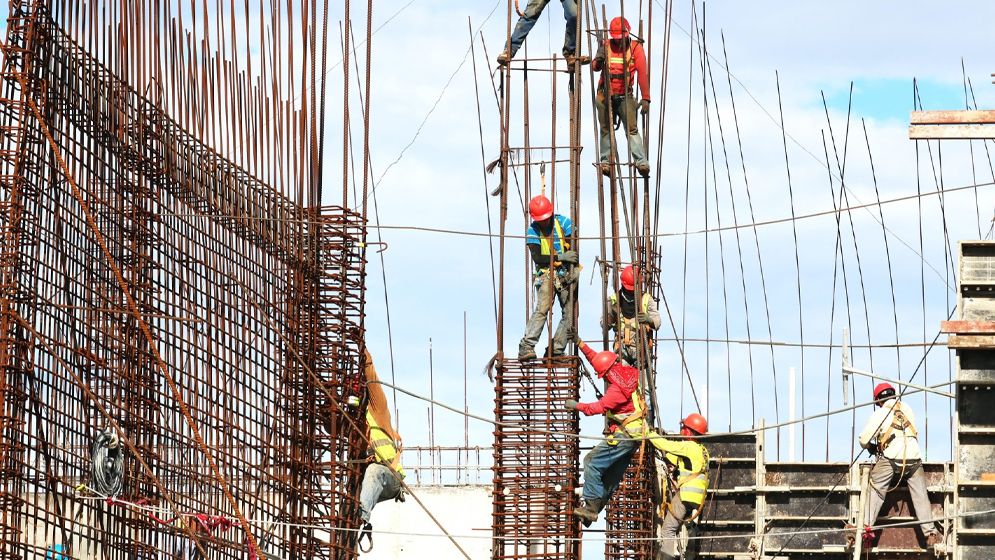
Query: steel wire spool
[[107, 463]]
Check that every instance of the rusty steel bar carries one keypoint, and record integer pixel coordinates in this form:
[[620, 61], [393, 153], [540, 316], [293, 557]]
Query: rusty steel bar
[[152, 193]]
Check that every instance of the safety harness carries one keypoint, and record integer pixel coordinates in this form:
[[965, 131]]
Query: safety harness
[[546, 245], [899, 424], [627, 329]]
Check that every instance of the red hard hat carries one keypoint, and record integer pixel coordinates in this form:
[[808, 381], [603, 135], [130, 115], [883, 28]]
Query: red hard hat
[[696, 423], [540, 208], [619, 28], [881, 388], [629, 277], [603, 361]]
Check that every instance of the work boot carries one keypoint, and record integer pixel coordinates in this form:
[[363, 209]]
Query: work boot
[[573, 60], [933, 539], [605, 168], [643, 169], [588, 513], [526, 353], [504, 58]]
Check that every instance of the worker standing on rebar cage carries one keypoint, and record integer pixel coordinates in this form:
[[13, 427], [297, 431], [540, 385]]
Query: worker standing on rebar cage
[[631, 320], [528, 19], [687, 481], [382, 479], [623, 405], [554, 275], [896, 445], [622, 59]]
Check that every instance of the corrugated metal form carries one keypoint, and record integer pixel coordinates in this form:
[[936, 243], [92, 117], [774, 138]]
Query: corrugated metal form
[[536, 452], [974, 340]]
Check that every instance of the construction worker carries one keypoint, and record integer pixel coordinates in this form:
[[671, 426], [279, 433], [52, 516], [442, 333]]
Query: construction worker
[[528, 19], [382, 479], [892, 429], [547, 242], [630, 320], [687, 483], [622, 404], [625, 60]]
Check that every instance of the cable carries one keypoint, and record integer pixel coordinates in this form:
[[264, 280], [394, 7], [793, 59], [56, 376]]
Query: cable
[[107, 463]]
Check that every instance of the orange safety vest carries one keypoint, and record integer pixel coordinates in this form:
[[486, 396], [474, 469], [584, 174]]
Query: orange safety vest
[[621, 67]]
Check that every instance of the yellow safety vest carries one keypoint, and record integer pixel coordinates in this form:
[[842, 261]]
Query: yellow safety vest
[[384, 448], [545, 242], [626, 329], [691, 460]]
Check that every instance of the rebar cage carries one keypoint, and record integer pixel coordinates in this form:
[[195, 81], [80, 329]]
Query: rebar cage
[[153, 288]]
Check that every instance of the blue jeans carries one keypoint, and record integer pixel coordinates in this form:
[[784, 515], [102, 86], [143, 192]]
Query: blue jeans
[[532, 12], [605, 465], [380, 483], [626, 108]]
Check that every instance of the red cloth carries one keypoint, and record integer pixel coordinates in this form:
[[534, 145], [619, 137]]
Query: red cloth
[[622, 382], [638, 61]]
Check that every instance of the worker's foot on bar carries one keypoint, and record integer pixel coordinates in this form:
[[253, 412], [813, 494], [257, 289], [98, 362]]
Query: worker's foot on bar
[[933, 539], [526, 353], [504, 58], [588, 513], [851, 534], [605, 168], [643, 169], [574, 60]]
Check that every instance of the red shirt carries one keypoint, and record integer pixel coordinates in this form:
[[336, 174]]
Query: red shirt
[[623, 380], [637, 68]]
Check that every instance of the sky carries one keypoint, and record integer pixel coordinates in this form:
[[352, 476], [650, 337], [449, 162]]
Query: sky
[[424, 125]]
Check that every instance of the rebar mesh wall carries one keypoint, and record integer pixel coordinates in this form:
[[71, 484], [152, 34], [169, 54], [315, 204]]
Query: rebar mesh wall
[[535, 460], [240, 294]]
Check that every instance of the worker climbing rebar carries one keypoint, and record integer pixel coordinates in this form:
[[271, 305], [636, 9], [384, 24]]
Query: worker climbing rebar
[[890, 434], [687, 480], [384, 473], [622, 404], [555, 273], [528, 19], [620, 59], [629, 319]]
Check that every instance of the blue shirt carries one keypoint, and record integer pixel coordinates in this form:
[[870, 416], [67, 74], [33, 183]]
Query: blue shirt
[[534, 237]]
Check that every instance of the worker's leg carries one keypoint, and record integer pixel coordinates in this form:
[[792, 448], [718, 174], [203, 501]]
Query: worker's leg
[[525, 23], [672, 521], [379, 484], [570, 36], [601, 467], [604, 125], [566, 329], [630, 116], [879, 479], [544, 300], [920, 498]]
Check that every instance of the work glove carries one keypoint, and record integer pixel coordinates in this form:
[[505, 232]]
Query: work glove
[[568, 257], [644, 319], [644, 106], [571, 404]]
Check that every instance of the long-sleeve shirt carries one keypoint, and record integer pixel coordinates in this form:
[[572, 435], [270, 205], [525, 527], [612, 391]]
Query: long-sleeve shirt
[[625, 303], [638, 61], [617, 398], [904, 445]]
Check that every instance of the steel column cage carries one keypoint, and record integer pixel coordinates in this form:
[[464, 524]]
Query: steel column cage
[[254, 307], [535, 460]]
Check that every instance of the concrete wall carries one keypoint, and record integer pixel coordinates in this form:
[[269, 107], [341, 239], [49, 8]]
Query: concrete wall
[[463, 511]]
